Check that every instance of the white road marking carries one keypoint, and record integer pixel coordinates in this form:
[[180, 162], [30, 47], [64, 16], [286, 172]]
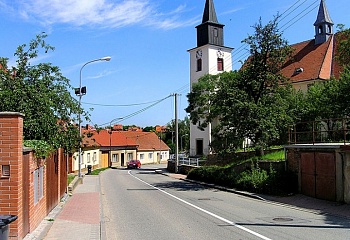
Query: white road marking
[[203, 210]]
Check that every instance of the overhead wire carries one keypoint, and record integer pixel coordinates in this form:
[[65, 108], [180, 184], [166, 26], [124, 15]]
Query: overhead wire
[[136, 113], [292, 21], [242, 48]]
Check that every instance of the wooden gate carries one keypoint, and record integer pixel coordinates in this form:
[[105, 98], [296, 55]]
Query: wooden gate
[[318, 175], [63, 173]]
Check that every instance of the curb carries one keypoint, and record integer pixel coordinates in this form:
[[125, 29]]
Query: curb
[[246, 194]]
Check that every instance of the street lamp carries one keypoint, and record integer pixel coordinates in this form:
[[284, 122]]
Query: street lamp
[[110, 141], [80, 92]]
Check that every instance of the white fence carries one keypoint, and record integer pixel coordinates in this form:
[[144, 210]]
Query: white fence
[[190, 161]]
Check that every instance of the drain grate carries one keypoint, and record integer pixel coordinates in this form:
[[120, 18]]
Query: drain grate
[[282, 219]]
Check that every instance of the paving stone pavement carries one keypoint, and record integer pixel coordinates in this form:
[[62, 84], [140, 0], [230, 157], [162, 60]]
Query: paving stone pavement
[[76, 218]]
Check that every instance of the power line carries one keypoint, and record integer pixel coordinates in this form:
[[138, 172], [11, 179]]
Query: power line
[[120, 105], [284, 15], [137, 112]]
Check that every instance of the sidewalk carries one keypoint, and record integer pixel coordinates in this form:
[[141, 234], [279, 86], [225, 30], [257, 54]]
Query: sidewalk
[[80, 216], [77, 218]]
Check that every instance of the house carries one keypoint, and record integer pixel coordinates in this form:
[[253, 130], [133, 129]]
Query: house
[[106, 148], [150, 148]]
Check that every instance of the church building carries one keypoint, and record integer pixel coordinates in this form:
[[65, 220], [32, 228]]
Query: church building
[[209, 57], [313, 60]]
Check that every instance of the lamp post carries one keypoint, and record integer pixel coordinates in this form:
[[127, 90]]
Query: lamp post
[[110, 141], [80, 92]]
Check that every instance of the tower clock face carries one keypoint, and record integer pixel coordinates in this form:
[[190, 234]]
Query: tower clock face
[[220, 53], [199, 54]]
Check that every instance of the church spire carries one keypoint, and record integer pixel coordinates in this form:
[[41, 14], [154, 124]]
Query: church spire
[[323, 24], [209, 14], [210, 31]]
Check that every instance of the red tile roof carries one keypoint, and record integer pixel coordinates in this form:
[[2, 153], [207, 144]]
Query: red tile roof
[[141, 140], [313, 61], [116, 138], [146, 140]]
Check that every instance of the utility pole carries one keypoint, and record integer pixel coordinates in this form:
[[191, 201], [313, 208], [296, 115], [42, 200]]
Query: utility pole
[[176, 136]]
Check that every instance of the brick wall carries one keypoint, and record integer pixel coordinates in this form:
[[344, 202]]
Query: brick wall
[[17, 173], [11, 142]]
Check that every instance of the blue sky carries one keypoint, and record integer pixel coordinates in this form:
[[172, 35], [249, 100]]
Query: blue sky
[[148, 42]]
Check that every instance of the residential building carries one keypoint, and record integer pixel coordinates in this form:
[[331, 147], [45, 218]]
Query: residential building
[[106, 148]]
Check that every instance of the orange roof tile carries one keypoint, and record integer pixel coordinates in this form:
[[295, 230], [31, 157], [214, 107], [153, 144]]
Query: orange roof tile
[[104, 138], [146, 140], [313, 61], [142, 140]]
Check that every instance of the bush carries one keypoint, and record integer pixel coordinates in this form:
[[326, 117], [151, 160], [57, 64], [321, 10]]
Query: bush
[[253, 180], [223, 176]]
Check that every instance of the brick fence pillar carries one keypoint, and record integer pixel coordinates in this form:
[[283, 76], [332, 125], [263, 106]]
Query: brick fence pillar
[[11, 143]]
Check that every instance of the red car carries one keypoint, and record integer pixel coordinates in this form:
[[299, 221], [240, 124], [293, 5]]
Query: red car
[[134, 164]]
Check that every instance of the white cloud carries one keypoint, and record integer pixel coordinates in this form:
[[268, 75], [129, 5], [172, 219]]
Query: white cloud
[[98, 13]]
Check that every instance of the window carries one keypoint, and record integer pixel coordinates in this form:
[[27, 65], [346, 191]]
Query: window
[[320, 30], [199, 65], [130, 156], [115, 158], [142, 156], [150, 156], [88, 158], [38, 176], [220, 64], [329, 29], [94, 158], [215, 31]]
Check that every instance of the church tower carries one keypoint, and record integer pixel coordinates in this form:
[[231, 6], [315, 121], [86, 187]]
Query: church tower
[[323, 24], [209, 57]]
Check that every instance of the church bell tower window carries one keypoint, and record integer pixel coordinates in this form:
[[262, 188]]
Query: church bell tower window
[[199, 65], [220, 64]]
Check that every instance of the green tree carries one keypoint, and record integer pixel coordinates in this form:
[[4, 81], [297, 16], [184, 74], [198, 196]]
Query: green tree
[[250, 103], [320, 96], [343, 51], [42, 93], [184, 134], [344, 89], [149, 129]]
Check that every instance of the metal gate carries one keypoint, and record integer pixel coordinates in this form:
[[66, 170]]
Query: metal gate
[[318, 175]]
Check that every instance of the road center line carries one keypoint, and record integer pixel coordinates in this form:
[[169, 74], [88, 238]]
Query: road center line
[[203, 210]]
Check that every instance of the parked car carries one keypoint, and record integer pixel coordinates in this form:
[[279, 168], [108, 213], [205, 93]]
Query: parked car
[[134, 164]]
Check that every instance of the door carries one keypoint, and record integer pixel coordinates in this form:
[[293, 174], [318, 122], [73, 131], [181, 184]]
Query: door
[[308, 174], [122, 159], [325, 176], [318, 175], [199, 147]]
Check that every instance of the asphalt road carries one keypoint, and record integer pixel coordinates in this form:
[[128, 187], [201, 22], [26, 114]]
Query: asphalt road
[[141, 204]]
